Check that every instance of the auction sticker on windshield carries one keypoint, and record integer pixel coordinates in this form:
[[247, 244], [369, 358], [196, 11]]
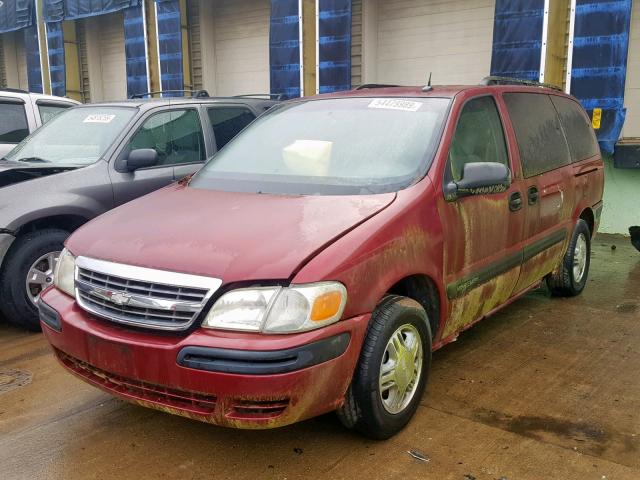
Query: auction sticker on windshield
[[395, 104], [99, 118]]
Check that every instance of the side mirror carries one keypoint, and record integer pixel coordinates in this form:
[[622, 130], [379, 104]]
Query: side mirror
[[480, 178], [142, 158]]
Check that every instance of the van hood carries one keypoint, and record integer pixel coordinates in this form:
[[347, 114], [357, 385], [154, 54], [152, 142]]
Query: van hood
[[17, 172], [230, 236]]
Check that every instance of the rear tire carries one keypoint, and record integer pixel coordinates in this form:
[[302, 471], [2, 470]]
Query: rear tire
[[392, 371], [571, 277], [17, 305]]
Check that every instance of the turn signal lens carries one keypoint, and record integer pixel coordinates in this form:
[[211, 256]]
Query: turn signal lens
[[326, 306]]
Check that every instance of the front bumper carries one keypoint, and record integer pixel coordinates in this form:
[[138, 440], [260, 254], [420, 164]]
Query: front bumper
[[145, 368]]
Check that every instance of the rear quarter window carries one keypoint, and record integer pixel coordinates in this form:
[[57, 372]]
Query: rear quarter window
[[539, 133], [13, 123], [577, 127]]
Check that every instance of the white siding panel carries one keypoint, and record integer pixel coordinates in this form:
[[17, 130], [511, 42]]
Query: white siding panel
[[451, 39], [112, 56], [242, 46], [632, 91]]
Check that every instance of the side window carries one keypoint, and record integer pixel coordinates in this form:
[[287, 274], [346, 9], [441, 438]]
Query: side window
[[13, 123], [479, 137], [176, 135], [48, 111], [577, 127], [540, 138], [228, 121]]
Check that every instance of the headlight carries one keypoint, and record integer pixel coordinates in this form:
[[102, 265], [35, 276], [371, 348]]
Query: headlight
[[64, 276], [279, 310]]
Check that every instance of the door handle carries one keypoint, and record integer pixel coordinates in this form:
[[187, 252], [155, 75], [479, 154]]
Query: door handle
[[533, 195], [515, 201]]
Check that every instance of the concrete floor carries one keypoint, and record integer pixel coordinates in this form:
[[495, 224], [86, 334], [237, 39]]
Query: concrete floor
[[546, 389]]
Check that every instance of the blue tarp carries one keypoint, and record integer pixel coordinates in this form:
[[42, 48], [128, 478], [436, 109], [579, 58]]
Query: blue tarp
[[284, 48], [517, 39], [135, 51], [55, 43], [57, 10], [170, 45], [334, 33], [599, 67], [34, 67], [16, 15]]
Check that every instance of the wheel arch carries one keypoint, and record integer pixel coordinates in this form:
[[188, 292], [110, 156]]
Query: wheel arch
[[588, 216], [424, 290]]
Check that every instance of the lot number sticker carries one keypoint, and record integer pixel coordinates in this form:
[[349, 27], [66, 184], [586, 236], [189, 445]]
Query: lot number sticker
[[99, 118], [395, 104]]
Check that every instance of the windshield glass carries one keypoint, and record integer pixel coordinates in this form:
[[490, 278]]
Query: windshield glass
[[78, 136], [328, 147]]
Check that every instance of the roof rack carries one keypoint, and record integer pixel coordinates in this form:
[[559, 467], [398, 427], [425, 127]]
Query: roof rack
[[493, 80], [374, 85], [269, 96], [194, 93], [13, 90]]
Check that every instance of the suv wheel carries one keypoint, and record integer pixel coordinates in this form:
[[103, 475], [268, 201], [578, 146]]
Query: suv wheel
[[28, 270], [392, 371], [571, 277]]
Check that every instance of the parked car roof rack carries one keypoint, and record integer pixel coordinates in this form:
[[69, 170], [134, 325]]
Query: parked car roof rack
[[194, 93], [13, 90], [494, 80], [270, 96], [365, 86]]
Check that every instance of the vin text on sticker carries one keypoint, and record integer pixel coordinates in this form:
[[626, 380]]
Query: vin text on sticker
[[99, 118], [395, 104]]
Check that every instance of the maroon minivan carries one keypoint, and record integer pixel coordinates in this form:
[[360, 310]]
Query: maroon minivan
[[316, 261]]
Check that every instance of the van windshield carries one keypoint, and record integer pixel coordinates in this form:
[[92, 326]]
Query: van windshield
[[77, 136], [328, 147]]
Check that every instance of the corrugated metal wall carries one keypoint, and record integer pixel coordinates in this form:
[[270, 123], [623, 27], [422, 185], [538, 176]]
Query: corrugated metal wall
[[3, 73], [84, 64], [195, 44], [632, 88], [21, 56], [356, 43], [112, 56], [452, 39], [242, 46]]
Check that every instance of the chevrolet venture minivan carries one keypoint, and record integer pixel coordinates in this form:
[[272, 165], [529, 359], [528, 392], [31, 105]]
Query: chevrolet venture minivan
[[316, 262]]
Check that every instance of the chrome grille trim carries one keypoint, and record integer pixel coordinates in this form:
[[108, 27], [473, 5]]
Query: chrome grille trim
[[139, 296]]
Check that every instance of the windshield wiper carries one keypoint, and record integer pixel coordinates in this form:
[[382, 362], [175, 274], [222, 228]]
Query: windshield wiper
[[33, 160]]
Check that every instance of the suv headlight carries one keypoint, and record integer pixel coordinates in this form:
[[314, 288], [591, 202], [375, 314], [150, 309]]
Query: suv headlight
[[64, 276], [297, 308]]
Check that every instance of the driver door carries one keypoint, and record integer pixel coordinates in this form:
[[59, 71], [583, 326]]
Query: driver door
[[483, 232], [177, 137]]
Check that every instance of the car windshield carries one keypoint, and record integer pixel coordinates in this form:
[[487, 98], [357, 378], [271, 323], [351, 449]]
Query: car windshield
[[329, 147], [78, 136]]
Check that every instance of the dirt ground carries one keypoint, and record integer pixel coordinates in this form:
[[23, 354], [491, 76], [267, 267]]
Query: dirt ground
[[546, 389]]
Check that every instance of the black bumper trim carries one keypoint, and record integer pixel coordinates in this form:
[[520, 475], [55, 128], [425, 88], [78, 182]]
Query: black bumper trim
[[250, 362], [49, 316]]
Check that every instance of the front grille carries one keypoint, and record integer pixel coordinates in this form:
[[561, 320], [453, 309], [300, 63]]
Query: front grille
[[139, 296], [197, 403]]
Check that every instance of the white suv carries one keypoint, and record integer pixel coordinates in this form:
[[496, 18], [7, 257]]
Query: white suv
[[22, 112]]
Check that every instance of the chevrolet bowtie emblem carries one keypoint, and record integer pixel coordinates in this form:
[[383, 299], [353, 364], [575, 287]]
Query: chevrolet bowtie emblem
[[119, 298]]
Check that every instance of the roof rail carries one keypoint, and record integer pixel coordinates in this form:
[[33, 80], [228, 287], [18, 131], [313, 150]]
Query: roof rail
[[269, 96], [194, 93], [13, 90], [365, 86], [493, 80]]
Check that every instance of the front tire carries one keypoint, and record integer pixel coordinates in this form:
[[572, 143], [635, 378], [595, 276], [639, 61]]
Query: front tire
[[392, 371], [571, 277], [27, 271]]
